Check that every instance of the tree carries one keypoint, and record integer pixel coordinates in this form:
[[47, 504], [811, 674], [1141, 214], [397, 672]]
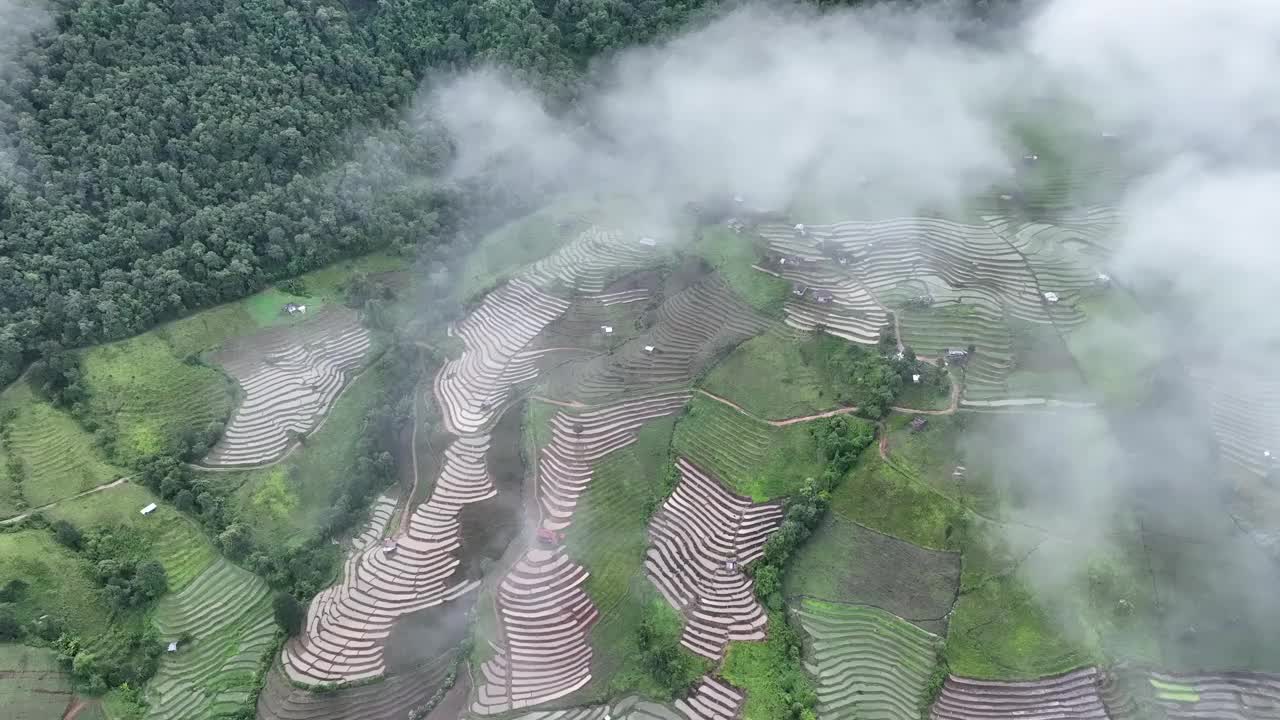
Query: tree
[[236, 541], [67, 535], [13, 591], [288, 612], [150, 581], [10, 628]]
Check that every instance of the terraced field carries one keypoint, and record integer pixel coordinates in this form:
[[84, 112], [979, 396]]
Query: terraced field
[[224, 624], [58, 456], [60, 582], [389, 699], [1222, 696], [287, 502], [954, 284], [167, 535], [348, 623], [148, 394], [847, 563], [544, 614], [289, 378], [868, 663], [703, 537], [32, 684], [1244, 411], [690, 328], [1073, 696], [608, 535], [752, 457]]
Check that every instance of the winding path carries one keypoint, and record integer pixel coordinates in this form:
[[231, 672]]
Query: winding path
[[46, 506]]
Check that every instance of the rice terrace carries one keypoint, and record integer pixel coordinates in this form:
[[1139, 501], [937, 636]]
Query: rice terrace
[[551, 398]]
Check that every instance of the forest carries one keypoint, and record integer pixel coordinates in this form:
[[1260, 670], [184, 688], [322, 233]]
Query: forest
[[160, 157]]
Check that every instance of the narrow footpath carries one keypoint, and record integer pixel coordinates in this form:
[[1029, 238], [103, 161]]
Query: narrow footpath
[[46, 506]]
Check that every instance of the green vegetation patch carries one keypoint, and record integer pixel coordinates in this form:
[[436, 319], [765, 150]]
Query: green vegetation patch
[[868, 662], [164, 535], [1000, 629], [58, 458], [658, 666], [223, 626], [609, 537], [142, 394], [32, 684], [208, 329], [1177, 692], [785, 374], [732, 256], [770, 672], [59, 582], [521, 242], [768, 376], [750, 456], [883, 498], [1118, 348], [290, 501], [846, 562]]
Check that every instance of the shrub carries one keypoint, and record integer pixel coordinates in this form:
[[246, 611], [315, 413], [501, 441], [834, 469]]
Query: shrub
[[13, 591], [67, 534], [10, 628], [288, 612]]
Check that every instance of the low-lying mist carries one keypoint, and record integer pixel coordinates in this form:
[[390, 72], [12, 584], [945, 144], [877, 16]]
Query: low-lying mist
[[912, 110]]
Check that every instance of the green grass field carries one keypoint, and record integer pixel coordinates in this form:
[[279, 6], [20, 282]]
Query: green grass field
[[152, 386], [32, 685], [867, 662], [845, 562], [59, 582], [165, 535], [287, 502], [227, 613], [146, 393], [750, 456], [1000, 630], [59, 457], [765, 670], [768, 376], [608, 537], [884, 499], [732, 256]]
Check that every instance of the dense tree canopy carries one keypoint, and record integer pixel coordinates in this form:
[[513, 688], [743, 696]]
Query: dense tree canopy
[[164, 156]]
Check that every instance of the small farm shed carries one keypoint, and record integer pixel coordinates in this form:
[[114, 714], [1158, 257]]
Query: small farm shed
[[150, 508]]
